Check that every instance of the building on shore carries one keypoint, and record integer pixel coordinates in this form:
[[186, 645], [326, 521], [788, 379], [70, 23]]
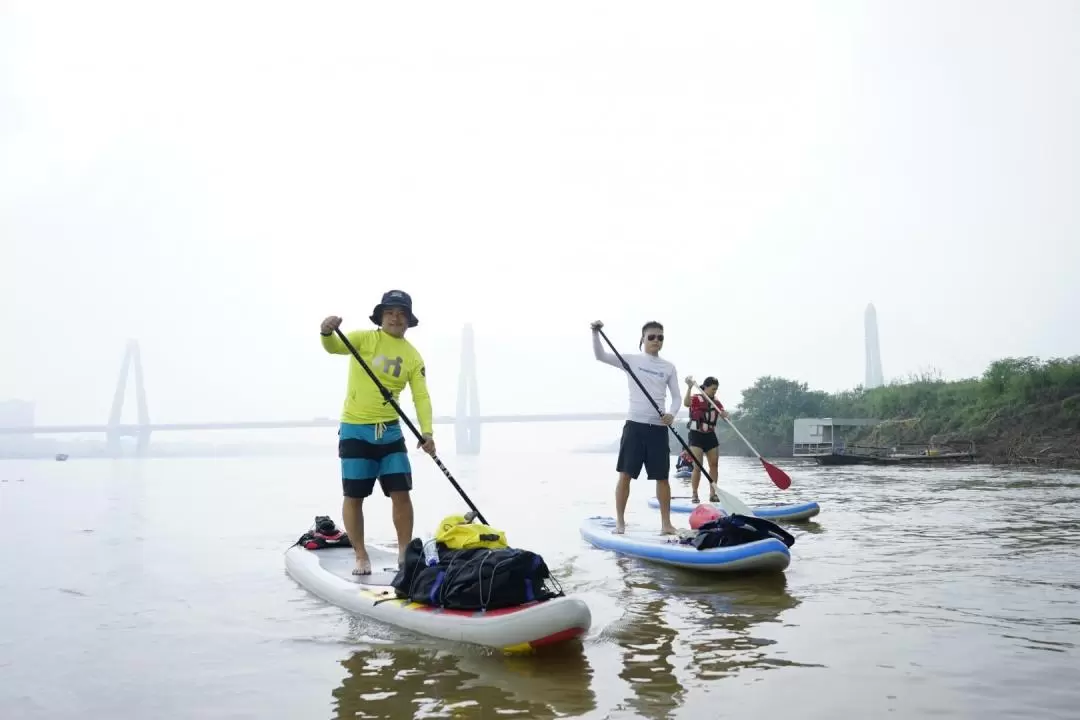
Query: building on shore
[[828, 442]]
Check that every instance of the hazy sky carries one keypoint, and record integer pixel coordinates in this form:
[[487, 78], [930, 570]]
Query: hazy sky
[[215, 178]]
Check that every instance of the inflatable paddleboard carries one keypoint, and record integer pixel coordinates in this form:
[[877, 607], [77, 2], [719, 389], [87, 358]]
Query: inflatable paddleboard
[[327, 573], [791, 513], [681, 474], [761, 555]]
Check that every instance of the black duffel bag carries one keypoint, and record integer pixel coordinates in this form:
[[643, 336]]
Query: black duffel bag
[[474, 579], [737, 530]]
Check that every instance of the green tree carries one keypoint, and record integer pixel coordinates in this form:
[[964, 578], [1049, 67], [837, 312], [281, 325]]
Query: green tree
[[1016, 404], [769, 408]]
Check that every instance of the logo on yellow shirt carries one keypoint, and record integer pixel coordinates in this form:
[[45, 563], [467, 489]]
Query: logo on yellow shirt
[[387, 363]]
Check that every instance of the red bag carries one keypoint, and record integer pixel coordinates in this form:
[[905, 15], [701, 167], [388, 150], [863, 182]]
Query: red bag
[[705, 513]]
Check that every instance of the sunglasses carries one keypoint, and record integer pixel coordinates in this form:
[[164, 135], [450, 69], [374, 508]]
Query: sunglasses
[[659, 337]]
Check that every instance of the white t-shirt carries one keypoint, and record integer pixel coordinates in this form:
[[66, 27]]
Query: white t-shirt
[[655, 373]]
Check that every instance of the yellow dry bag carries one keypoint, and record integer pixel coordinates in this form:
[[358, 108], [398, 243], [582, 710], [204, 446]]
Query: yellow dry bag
[[457, 534]]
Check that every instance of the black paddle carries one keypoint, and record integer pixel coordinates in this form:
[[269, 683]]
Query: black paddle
[[388, 397], [660, 412]]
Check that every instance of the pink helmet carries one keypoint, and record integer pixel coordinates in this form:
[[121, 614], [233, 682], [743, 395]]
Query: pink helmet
[[705, 513]]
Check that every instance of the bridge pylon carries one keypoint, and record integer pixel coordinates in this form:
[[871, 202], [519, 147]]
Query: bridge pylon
[[115, 430], [467, 418]]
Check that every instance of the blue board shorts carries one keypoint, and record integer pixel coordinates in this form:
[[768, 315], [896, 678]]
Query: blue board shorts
[[373, 452]]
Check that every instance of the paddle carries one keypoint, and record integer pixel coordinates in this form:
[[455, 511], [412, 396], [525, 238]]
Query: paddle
[[388, 397], [778, 476], [729, 502]]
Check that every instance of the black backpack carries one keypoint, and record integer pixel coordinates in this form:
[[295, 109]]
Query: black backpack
[[474, 579], [737, 530]]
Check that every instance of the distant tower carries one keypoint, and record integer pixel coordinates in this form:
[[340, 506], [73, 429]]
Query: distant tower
[[873, 350], [114, 429], [467, 419]]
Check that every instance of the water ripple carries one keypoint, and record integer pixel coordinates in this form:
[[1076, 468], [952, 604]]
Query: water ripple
[[950, 592]]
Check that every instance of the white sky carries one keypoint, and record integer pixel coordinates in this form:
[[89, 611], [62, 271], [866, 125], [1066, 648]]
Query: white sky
[[215, 178]]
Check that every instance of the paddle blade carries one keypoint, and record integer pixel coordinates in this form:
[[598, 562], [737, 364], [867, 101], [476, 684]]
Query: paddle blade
[[731, 504], [778, 476]]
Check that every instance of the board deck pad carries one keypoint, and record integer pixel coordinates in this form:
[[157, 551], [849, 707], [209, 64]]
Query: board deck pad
[[644, 534], [341, 561]]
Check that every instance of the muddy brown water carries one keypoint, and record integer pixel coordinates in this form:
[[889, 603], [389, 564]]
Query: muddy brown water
[[156, 588]]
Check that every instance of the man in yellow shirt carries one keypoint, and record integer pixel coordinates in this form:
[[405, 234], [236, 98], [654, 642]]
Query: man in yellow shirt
[[371, 445]]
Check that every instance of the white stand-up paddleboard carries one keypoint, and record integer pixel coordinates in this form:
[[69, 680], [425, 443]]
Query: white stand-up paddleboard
[[760, 555], [327, 573]]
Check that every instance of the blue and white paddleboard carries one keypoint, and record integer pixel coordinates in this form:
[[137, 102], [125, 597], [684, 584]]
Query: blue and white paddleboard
[[761, 555], [791, 513]]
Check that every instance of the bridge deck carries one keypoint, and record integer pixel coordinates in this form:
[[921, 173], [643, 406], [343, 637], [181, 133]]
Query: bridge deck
[[129, 429]]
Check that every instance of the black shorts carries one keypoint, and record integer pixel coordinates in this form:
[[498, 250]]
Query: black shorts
[[704, 440], [644, 444]]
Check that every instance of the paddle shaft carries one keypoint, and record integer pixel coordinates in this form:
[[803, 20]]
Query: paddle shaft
[[660, 412], [389, 398], [732, 426]]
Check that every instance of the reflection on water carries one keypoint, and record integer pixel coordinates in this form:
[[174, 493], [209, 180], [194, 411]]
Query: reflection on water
[[723, 627], [679, 625], [401, 680], [647, 642], [157, 589]]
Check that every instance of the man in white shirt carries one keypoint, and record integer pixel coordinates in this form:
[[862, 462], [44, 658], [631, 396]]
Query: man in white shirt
[[645, 434]]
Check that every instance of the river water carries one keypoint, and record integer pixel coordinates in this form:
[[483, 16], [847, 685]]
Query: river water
[[156, 589]]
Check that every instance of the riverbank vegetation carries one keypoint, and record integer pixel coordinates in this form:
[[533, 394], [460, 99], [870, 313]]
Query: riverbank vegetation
[[1023, 410]]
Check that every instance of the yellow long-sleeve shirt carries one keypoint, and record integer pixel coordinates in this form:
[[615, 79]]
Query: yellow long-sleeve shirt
[[395, 362]]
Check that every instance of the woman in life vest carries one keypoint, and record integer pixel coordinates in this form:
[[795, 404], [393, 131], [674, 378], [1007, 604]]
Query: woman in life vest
[[702, 431]]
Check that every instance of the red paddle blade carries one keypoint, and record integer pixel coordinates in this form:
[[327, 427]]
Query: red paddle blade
[[778, 476]]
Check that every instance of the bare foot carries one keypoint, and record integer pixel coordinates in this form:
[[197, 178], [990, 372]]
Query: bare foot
[[669, 530], [363, 565], [620, 528]]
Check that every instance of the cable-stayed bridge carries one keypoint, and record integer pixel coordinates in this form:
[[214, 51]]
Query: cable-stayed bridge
[[467, 422]]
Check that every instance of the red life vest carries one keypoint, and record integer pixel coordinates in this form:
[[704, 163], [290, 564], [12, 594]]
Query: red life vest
[[703, 416]]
